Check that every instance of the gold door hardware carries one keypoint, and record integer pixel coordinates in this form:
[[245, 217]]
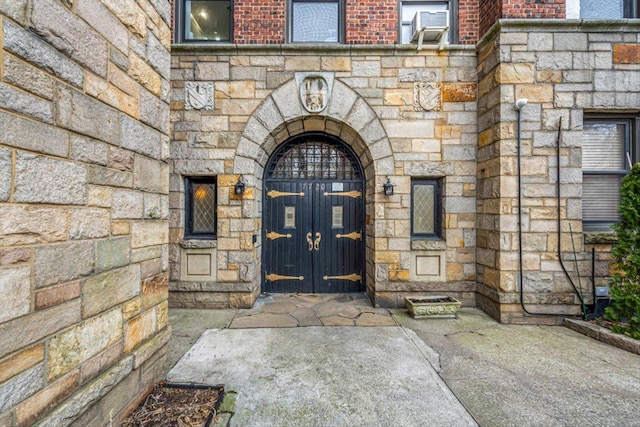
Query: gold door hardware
[[352, 277], [355, 194], [272, 235], [274, 193], [276, 277], [316, 244], [355, 235], [309, 241]]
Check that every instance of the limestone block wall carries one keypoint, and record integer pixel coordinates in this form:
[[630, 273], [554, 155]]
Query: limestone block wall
[[375, 108], [565, 69], [83, 207]]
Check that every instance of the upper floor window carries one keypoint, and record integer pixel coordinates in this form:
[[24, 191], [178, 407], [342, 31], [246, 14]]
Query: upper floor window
[[204, 20], [609, 146], [417, 14], [603, 9], [316, 21]]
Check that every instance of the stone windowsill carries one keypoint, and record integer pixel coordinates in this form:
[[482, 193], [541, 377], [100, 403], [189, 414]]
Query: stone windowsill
[[198, 244], [428, 245], [600, 237]]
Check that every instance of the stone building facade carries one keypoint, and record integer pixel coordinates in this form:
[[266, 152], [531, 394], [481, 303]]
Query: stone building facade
[[84, 183], [381, 105], [362, 164]]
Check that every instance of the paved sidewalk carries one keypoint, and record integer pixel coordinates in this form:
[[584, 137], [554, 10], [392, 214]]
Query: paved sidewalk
[[291, 310], [504, 375], [516, 375]]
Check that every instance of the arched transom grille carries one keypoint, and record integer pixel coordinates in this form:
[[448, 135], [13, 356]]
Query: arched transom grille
[[314, 157]]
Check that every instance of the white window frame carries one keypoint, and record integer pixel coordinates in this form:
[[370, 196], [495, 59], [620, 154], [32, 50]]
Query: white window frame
[[408, 8]]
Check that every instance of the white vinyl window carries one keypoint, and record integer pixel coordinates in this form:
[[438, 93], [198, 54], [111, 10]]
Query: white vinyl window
[[607, 154], [409, 9]]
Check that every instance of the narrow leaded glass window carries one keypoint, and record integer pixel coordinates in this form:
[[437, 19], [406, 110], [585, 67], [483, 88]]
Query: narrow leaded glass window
[[201, 207], [426, 208]]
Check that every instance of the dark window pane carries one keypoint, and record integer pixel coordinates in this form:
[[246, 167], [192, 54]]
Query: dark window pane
[[207, 20], [424, 209], [315, 22], [203, 208]]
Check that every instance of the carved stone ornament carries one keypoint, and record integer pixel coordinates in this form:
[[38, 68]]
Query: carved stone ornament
[[314, 93], [198, 96], [426, 96]]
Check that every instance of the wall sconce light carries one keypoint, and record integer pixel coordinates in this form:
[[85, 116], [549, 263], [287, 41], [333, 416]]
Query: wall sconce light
[[388, 188], [239, 187]]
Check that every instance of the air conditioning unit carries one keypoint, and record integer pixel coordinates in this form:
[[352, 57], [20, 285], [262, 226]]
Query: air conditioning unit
[[431, 24]]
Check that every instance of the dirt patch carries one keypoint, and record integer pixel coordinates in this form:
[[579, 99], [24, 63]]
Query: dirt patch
[[177, 405]]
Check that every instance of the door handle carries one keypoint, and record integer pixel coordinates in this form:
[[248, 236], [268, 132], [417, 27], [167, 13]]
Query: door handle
[[309, 241], [316, 244]]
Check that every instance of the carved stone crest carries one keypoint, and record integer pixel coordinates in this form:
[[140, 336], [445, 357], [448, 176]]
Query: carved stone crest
[[426, 96], [198, 96], [314, 93]]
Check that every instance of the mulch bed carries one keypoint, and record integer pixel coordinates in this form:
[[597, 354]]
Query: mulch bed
[[177, 405]]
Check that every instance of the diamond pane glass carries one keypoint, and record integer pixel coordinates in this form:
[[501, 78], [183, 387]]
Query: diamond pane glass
[[315, 22], [423, 209], [204, 208]]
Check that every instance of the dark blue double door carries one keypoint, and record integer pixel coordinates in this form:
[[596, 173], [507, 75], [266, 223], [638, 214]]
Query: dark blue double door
[[313, 239]]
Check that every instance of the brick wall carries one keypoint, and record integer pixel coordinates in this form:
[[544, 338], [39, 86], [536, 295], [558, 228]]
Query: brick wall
[[371, 22], [83, 207], [492, 10], [468, 21], [259, 22], [533, 9]]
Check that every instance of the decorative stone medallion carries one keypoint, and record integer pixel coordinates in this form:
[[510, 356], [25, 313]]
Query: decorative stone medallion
[[426, 96], [198, 96], [314, 93]]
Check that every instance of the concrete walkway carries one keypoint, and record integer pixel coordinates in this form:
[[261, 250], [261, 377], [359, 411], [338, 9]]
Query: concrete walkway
[[503, 375]]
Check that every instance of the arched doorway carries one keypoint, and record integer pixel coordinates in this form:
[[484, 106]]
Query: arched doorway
[[313, 217]]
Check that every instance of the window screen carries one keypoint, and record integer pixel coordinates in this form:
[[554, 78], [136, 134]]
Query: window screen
[[315, 21]]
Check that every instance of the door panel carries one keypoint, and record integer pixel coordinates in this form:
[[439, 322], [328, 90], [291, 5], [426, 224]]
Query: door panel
[[342, 255], [287, 258], [324, 251]]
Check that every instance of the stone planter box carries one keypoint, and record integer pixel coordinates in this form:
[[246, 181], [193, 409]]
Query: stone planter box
[[434, 307]]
